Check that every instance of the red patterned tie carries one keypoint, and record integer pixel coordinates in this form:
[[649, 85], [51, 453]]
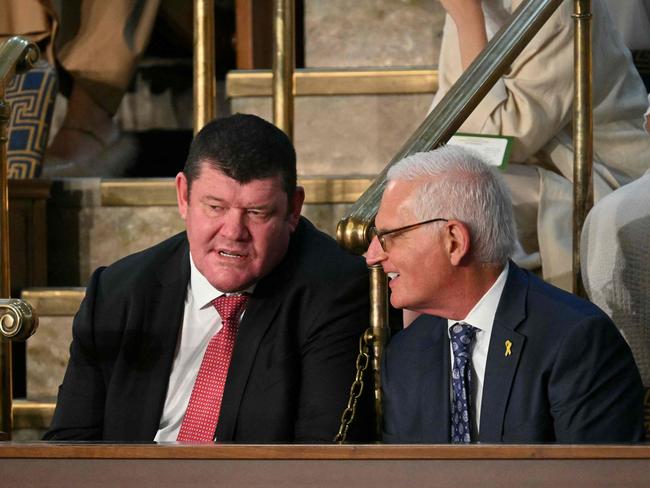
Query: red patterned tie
[[202, 414]]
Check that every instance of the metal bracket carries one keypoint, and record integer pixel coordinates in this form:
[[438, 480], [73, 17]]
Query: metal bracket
[[18, 320]]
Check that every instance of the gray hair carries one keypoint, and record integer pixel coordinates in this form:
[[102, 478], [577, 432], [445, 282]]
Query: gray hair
[[458, 185]]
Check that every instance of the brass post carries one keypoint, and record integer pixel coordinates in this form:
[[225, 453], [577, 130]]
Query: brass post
[[5, 112], [583, 198], [379, 328], [205, 82], [283, 64], [352, 234], [453, 109], [6, 385], [17, 55]]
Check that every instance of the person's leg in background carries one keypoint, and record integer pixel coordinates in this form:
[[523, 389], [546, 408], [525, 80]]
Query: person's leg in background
[[97, 48]]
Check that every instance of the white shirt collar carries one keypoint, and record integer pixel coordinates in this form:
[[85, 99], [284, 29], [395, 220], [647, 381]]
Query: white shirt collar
[[482, 314], [203, 293]]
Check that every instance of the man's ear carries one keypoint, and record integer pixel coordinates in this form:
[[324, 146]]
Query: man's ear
[[182, 194], [458, 241], [295, 207]]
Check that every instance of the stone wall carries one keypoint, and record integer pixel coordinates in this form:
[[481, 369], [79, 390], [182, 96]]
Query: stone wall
[[361, 33]]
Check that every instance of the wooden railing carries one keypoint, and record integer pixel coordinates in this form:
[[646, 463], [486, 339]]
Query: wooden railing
[[88, 465]]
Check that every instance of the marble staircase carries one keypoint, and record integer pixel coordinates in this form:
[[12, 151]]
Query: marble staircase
[[92, 223], [347, 121], [368, 84], [47, 356]]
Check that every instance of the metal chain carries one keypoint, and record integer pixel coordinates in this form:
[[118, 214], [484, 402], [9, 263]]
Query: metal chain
[[355, 390]]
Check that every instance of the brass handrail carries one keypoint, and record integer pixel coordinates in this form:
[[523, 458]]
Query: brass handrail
[[463, 97], [583, 196], [450, 113], [17, 55], [283, 64], [205, 80], [377, 336], [446, 118]]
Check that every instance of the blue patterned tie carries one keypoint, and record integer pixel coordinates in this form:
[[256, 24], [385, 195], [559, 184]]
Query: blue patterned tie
[[461, 377]]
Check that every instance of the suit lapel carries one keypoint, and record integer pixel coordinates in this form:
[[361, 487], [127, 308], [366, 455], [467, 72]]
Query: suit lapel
[[434, 377], [261, 311], [505, 350], [146, 384]]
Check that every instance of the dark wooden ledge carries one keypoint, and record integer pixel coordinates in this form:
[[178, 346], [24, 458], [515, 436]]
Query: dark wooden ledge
[[45, 450], [371, 466]]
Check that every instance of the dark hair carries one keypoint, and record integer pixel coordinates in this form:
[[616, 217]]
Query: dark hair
[[243, 147]]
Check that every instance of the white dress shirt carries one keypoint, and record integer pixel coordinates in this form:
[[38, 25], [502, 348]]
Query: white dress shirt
[[482, 318], [201, 322]]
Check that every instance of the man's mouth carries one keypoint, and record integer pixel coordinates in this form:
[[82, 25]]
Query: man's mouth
[[231, 254], [392, 276]]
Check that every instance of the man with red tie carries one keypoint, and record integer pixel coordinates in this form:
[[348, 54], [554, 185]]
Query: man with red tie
[[244, 328]]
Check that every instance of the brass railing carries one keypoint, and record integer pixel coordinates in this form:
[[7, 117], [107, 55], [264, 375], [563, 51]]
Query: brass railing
[[283, 64], [205, 88], [17, 320], [444, 120], [451, 112], [377, 336], [458, 104], [205, 80], [583, 196], [17, 55]]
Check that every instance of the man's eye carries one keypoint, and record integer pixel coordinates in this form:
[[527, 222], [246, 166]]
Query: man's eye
[[393, 236], [256, 213]]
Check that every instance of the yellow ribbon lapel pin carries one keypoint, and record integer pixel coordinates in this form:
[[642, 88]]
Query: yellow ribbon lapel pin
[[508, 347]]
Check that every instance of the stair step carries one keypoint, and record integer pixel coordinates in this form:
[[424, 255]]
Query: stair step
[[47, 351], [372, 33], [347, 122], [32, 415], [54, 302], [313, 82], [94, 222], [137, 192]]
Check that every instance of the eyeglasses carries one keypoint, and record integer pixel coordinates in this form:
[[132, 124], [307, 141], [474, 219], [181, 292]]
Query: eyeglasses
[[381, 235]]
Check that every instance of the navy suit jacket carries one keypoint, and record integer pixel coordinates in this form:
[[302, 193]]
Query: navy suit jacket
[[292, 365], [570, 377]]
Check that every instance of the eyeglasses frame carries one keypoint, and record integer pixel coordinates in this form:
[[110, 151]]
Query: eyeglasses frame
[[381, 234]]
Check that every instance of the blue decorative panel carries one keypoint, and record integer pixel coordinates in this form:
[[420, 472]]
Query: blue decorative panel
[[31, 97]]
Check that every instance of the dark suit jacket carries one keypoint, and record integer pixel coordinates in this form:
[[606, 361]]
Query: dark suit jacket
[[291, 368], [570, 376]]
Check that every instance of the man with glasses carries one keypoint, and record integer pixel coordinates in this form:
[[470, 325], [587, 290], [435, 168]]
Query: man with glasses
[[496, 354]]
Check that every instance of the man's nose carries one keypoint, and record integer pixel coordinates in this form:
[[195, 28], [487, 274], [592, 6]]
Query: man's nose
[[234, 225], [375, 254]]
